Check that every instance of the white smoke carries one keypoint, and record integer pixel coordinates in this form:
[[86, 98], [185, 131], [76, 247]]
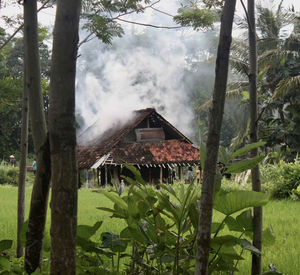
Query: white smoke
[[142, 69]]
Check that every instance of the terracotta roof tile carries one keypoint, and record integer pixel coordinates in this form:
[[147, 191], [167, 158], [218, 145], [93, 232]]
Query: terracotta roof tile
[[167, 151]]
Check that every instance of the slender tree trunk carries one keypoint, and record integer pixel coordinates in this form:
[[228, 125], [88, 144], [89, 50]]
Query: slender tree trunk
[[256, 185], [62, 133], [22, 169], [213, 138], [40, 191]]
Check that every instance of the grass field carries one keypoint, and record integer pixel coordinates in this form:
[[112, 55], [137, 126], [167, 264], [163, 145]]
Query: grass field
[[283, 216]]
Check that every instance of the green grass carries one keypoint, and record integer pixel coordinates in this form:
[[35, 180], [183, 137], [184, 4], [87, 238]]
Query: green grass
[[283, 216]]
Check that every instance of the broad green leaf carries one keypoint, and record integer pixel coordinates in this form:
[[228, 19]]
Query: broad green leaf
[[160, 222], [117, 214], [228, 253], [113, 241], [150, 231], [247, 148], [116, 199], [4, 263], [223, 155], [268, 236], [246, 164], [132, 207], [143, 208], [225, 240], [171, 190], [125, 234], [233, 225], [129, 180], [87, 245], [194, 215], [245, 220], [245, 244], [105, 252], [137, 235], [229, 203], [86, 231], [135, 172], [216, 226], [5, 244]]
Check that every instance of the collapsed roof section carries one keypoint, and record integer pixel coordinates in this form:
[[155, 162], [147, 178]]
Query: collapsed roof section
[[125, 143]]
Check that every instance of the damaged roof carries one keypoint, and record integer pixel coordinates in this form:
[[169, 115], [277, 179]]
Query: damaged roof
[[175, 149]]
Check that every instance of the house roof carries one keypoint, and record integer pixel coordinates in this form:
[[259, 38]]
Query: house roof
[[176, 150]]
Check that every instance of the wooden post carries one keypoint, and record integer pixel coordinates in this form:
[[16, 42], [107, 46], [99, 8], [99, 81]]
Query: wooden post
[[98, 174], [105, 167], [161, 175], [180, 173], [94, 182], [116, 175]]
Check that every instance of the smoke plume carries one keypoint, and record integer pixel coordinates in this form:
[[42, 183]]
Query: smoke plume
[[145, 68]]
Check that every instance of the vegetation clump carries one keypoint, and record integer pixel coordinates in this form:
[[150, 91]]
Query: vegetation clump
[[280, 179], [8, 175]]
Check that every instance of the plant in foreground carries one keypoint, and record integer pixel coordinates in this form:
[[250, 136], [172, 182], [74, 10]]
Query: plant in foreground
[[161, 228]]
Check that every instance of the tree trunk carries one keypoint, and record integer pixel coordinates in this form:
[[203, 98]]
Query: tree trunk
[[62, 134], [256, 185], [22, 168], [213, 138], [40, 191]]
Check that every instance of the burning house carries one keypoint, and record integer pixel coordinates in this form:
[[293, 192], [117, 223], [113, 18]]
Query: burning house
[[147, 141]]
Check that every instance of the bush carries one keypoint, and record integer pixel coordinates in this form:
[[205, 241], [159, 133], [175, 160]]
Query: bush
[[280, 179], [8, 175]]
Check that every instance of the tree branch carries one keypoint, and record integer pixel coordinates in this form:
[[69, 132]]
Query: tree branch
[[20, 27], [247, 16], [149, 25]]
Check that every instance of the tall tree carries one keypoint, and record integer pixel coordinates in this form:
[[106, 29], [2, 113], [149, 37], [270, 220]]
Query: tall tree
[[278, 81], [22, 166], [255, 176], [62, 134], [213, 139], [40, 191]]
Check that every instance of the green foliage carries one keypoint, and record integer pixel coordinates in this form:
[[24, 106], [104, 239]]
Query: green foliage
[[5, 266], [8, 175], [229, 156], [101, 17], [281, 179], [104, 28], [11, 85], [161, 228], [234, 201], [278, 78], [195, 17]]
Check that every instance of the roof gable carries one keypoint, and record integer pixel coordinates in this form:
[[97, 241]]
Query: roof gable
[[116, 138]]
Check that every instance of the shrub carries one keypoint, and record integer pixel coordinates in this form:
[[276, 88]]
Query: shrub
[[281, 178], [8, 175]]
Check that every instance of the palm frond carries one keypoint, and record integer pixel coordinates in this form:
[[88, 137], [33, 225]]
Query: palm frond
[[205, 106], [276, 55], [287, 86], [230, 95]]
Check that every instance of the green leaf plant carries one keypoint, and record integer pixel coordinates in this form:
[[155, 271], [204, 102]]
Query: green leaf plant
[[161, 227]]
